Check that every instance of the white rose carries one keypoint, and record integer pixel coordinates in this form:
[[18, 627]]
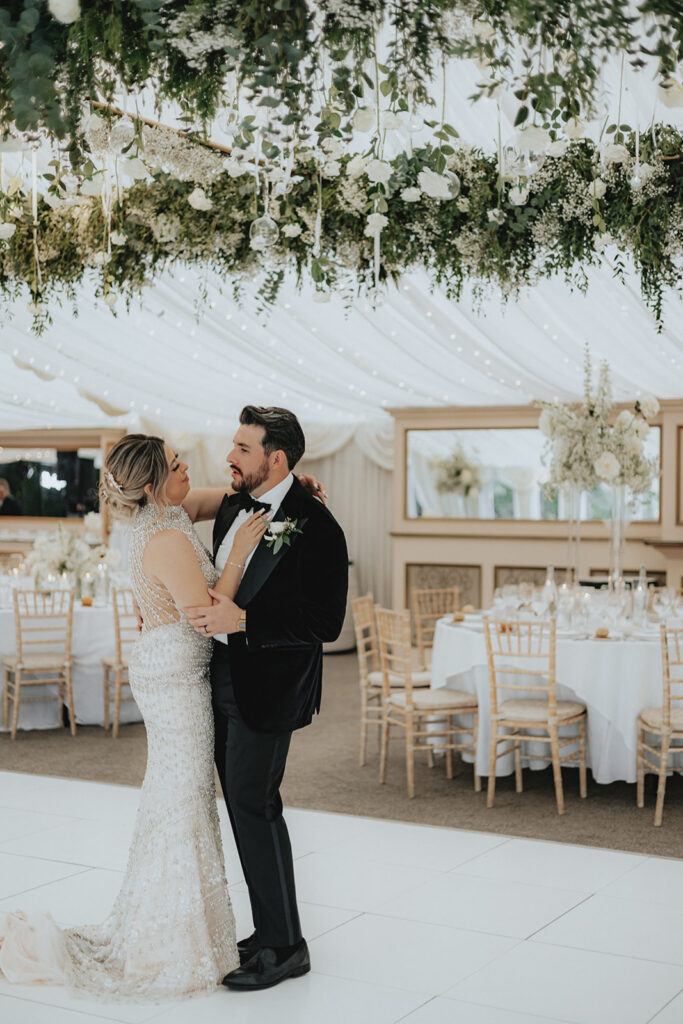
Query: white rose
[[6, 231], [607, 466], [597, 188], [118, 238], [466, 476], [602, 240], [649, 406], [437, 186], [331, 169], [66, 11], [235, 168], [110, 299], [35, 308], [496, 216], [518, 195], [463, 204], [291, 230], [332, 148], [546, 423], [379, 170], [624, 420], [614, 153], [642, 429], [356, 166], [574, 128], [364, 119], [199, 200], [411, 195], [671, 93], [391, 121], [275, 528], [100, 259], [633, 444], [558, 147], [375, 223], [16, 212]]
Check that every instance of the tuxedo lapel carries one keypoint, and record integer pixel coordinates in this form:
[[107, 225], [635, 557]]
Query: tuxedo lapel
[[226, 516], [264, 561]]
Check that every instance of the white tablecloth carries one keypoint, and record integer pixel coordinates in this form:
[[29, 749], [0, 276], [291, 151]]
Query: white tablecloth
[[93, 638], [615, 679]]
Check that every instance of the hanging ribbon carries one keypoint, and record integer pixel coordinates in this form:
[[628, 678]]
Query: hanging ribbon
[[34, 212]]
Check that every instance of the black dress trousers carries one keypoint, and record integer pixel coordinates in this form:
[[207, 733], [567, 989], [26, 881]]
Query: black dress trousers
[[251, 766]]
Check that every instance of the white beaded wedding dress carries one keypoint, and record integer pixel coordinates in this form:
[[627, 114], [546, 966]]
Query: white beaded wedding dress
[[171, 931]]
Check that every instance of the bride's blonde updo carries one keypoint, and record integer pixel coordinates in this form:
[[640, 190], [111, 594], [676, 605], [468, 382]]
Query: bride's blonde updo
[[134, 461]]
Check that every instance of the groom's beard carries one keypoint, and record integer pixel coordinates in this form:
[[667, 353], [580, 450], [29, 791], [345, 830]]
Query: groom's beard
[[250, 481]]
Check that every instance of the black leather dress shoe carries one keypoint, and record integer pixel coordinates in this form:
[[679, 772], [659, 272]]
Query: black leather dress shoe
[[247, 947], [263, 970]]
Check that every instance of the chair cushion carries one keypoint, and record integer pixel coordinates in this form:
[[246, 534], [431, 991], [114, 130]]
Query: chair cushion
[[436, 700], [653, 718], [419, 679], [534, 710], [35, 661], [111, 661]]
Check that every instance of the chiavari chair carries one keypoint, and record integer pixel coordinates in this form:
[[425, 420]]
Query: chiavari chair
[[115, 665], [664, 723]]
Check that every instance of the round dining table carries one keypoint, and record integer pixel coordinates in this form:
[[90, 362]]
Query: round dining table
[[614, 677], [92, 639]]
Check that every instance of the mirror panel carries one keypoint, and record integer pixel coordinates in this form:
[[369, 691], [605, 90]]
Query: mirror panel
[[50, 482], [497, 473]]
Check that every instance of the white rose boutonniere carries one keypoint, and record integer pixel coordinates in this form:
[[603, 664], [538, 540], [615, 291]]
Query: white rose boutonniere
[[281, 533]]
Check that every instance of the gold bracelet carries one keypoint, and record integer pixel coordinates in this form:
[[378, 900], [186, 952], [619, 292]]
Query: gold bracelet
[[238, 565]]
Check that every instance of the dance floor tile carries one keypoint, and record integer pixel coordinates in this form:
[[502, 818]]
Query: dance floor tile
[[672, 1013], [418, 846], [404, 954], [56, 998], [19, 874], [315, 920], [657, 880], [343, 882], [101, 844], [483, 905], [15, 823], [583, 868], [313, 999], [636, 928], [588, 988], [323, 832], [70, 797], [450, 1011], [84, 898], [20, 1011]]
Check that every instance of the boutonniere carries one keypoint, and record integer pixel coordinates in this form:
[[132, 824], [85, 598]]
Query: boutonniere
[[280, 533]]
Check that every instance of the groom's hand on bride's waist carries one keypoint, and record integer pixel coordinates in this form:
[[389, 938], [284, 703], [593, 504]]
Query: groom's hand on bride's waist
[[223, 616]]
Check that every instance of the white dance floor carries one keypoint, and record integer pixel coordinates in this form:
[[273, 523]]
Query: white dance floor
[[404, 922]]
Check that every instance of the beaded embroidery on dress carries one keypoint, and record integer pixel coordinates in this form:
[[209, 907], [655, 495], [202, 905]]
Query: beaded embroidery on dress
[[171, 931]]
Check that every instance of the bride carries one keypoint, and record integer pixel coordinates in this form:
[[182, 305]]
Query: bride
[[171, 931]]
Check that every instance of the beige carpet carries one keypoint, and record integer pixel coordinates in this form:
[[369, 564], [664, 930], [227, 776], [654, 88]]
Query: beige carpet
[[323, 773]]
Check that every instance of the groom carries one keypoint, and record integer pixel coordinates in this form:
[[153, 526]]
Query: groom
[[266, 672]]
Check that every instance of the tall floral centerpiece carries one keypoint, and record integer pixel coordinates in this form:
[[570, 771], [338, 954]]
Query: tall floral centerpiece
[[584, 448]]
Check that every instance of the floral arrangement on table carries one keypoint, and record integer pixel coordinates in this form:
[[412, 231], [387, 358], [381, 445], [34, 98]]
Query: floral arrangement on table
[[457, 474], [585, 449], [62, 552]]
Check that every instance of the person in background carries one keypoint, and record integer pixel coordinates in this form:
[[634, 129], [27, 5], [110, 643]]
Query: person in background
[[9, 506]]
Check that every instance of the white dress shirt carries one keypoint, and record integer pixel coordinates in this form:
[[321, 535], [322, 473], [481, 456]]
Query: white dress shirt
[[274, 497]]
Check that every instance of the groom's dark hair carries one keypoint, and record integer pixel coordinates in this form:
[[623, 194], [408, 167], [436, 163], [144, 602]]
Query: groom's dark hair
[[282, 430]]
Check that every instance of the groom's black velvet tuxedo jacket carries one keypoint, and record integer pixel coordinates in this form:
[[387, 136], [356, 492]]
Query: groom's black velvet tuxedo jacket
[[295, 601]]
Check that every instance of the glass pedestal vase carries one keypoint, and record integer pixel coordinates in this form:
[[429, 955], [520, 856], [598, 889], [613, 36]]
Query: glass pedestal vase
[[617, 528], [573, 498]]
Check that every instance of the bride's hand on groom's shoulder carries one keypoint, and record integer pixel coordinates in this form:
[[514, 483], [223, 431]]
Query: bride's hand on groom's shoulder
[[314, 486], [222, 617]]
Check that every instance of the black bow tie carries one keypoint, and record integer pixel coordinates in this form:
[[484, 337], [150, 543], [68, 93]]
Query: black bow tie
[[243, 500]]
